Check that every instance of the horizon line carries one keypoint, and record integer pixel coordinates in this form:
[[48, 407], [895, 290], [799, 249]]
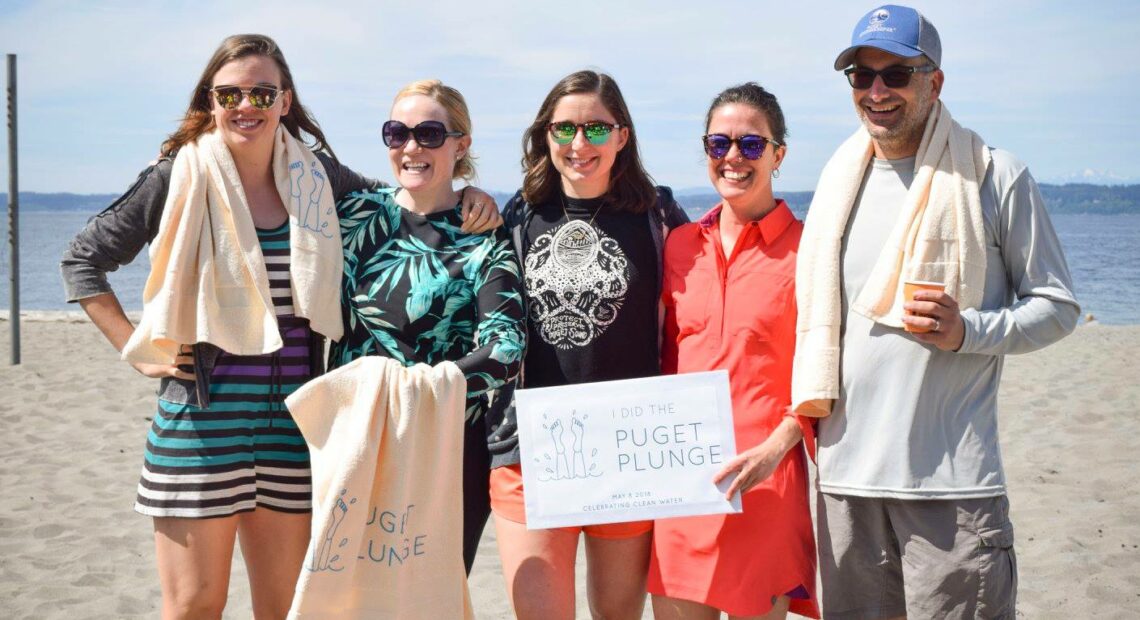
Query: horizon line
[[676, 190]]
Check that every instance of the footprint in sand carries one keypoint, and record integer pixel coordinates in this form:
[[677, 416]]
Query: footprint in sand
[[50, 530], [96, 580], [52, 594], [129, 605], [9, 577]]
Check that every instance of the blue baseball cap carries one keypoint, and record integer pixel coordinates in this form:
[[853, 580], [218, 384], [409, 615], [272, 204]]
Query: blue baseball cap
[[899, 30]]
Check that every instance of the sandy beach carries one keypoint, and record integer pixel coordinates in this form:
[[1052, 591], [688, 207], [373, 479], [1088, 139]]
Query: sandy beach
[[75, 419]]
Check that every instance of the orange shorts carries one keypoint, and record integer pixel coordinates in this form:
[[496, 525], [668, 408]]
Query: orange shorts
[[507, 502]]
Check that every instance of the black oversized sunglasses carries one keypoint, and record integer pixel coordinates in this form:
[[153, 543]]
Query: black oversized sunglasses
[[751, 146], [260, 97], [895, 76], [428, 134]]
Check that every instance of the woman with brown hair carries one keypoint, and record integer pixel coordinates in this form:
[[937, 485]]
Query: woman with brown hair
[[589, 228], [729, 296], [245, 260]]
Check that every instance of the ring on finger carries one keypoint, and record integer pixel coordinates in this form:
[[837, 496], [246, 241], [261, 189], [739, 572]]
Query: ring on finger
[[937, 325]]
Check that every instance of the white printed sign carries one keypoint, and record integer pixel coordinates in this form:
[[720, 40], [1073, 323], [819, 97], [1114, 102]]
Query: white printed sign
[[629, 450]]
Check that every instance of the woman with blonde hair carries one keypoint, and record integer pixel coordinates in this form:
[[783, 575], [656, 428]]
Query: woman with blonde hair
[[418, 289]]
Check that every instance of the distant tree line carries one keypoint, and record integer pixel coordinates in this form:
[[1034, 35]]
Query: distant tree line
[[1072, 198], [1092, 199]]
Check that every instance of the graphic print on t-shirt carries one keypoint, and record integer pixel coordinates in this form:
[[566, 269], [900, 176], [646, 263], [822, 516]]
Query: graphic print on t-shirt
[[576, 280]]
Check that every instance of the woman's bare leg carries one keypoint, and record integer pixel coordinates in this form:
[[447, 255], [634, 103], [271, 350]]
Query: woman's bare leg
[[667, 608], [538, 566], [616, 570], [273, 544], [193, 557]]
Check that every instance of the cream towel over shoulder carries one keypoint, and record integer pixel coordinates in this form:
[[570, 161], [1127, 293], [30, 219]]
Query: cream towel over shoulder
[[208, 281], [939, 237], [387, 458]]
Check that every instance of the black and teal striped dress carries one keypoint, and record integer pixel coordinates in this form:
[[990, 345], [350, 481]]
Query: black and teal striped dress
[[244, 451]]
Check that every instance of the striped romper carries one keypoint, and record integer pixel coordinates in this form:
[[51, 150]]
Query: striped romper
[[244, 451]]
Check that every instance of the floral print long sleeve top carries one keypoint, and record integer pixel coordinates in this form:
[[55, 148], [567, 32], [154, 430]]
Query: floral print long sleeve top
[[419, 290]]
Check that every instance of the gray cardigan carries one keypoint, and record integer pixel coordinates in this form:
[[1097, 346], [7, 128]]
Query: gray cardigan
[[115, 237]]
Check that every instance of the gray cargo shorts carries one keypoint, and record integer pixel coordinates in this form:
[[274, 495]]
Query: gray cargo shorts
[[881, 557]]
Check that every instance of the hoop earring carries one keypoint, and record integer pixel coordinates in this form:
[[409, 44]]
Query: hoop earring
[[776, 173]]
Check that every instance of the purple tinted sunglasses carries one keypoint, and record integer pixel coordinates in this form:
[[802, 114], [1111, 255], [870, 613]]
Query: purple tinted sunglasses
[[751, 146]]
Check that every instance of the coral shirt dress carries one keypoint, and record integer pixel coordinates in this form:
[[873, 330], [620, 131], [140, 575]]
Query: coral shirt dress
[[739, 313]]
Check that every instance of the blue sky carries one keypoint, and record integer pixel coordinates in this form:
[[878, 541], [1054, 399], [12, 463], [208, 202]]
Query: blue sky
[[102, 83]]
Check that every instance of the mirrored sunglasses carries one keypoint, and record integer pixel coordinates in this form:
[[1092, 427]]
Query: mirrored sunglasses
[[597, 132], [751, 146], [260, 97], [428, 134]]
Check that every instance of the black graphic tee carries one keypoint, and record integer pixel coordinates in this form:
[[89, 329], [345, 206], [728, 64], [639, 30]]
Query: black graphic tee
[[591, 295]]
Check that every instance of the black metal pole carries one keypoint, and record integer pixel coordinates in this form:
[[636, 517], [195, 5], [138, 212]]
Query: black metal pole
[[13, 212]]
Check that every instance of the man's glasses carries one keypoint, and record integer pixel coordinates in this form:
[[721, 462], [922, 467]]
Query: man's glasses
[[597, 132], [751, 146], [897, 76], [428, 134], [260, 97]]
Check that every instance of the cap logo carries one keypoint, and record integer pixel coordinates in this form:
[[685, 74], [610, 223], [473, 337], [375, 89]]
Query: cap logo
[[875, 23]]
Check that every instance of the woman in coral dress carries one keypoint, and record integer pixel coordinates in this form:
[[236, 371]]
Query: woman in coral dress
[[729, 295]]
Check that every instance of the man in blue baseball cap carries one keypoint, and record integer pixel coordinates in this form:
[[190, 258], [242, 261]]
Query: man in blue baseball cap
[[897, 388]]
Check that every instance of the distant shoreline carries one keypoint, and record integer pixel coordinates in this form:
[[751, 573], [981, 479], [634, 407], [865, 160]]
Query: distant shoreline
[[1070, 198]]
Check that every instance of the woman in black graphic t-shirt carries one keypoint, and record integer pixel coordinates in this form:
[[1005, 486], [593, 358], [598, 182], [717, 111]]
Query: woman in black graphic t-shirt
[[589, 228]]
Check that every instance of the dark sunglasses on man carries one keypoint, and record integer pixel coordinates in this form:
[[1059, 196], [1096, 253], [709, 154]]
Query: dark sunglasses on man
[[428, 134], [260, 97], [751, 146], [895, 76]]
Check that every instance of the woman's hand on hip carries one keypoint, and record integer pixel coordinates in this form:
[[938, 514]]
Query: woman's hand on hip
[[182, 368]]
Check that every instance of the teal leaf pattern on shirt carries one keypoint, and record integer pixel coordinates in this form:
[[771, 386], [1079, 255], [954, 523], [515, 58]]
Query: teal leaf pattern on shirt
[[418, 289]]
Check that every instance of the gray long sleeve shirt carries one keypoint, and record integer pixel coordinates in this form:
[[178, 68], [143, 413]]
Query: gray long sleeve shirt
[[913, 421]]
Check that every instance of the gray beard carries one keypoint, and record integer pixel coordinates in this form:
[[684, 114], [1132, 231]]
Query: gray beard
[[907, 135], [902, 138]]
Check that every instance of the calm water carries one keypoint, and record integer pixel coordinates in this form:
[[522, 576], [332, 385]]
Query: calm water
[[1103, 252]]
